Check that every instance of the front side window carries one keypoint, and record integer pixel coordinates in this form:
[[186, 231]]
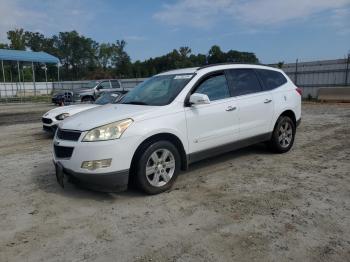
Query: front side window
[[271, 79], [243, 81], [157, 91], [91, 84], [104, 85], [215, 87]]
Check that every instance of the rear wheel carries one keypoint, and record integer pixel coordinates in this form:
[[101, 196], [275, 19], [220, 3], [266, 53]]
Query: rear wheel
[[283, 135], [158, 167]]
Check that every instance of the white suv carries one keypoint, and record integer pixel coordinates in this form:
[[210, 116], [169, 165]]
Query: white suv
[[174, 119]]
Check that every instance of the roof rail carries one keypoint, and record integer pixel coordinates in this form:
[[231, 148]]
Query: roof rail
[[229, 63]]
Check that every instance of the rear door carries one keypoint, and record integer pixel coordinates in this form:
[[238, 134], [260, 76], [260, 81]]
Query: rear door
[[214, 124], [255, 105]]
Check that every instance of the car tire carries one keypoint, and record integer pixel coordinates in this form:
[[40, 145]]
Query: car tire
[[157, 167], [87, 99], [283, 135]]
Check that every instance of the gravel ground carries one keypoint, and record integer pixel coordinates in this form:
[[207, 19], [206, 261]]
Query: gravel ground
[[248, 205]]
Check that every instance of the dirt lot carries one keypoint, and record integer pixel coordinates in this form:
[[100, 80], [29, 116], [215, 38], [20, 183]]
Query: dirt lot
[[248, 205]]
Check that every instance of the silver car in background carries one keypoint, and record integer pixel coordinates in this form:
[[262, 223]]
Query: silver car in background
[[94, 88]]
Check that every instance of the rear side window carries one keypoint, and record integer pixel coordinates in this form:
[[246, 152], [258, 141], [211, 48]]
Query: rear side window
[[215, 87], [243, 81], [271, 79]]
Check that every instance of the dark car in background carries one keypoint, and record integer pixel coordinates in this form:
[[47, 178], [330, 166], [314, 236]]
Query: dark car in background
[[62, 98]]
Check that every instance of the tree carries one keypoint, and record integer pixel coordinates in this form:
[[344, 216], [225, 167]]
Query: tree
[[4, 46], [35, 41], [105, 53], [215, 55], [17, 39], [76, 52], [84, 58], [185, 51], [121, 59]]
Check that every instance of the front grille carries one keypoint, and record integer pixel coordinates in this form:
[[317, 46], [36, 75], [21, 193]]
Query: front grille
[[68, 135], [46, 120], [63, 151]]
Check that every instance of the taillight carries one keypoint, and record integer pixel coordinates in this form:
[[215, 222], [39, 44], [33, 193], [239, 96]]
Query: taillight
[[299, 90]]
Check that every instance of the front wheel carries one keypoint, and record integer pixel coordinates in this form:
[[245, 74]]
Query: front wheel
[[158, 167], [283, 135]]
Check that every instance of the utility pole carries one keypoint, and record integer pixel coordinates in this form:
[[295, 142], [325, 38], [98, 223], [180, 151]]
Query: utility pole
[[296, 72]]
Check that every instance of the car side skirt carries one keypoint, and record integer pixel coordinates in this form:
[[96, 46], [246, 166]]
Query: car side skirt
[[197, 156]]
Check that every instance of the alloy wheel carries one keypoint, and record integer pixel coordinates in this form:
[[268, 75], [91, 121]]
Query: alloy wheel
[[285, 134], [160, 167]]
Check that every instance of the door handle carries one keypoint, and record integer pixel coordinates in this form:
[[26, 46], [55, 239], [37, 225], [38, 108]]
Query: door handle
[[231, 108], [267, 101]]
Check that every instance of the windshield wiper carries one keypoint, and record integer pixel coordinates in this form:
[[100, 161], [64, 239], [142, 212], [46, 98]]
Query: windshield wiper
[[136, 103]]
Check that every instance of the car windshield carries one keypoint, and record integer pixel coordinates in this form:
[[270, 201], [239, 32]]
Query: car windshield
[[107, 98], [157, 91]]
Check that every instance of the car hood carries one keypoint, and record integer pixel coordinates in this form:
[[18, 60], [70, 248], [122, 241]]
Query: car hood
[[72, 109], [106, 114]]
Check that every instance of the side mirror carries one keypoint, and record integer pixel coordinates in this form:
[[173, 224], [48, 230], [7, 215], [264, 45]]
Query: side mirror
[[199, 99]]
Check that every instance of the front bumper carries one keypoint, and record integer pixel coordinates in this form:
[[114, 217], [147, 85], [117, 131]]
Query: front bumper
[[50, 129], [71, 155], [105, 182]]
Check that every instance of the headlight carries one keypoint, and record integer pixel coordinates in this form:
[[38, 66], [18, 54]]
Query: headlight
[[108, 132], [62, 116]]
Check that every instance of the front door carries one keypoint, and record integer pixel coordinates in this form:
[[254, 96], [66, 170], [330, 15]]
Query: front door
[[214, 124]]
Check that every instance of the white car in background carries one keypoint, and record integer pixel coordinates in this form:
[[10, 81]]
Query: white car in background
[[52, 118]]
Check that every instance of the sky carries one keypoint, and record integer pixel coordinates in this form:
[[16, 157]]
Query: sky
[[275, 30]]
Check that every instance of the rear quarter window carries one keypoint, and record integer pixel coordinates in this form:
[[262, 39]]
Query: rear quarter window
[[271, 79]]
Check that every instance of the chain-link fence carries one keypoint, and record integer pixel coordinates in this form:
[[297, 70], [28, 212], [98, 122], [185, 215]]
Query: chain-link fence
[[43, 91], [310, 76]]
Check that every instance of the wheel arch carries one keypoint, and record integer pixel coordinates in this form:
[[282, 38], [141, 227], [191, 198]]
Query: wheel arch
[[289, 113], [158, 137]]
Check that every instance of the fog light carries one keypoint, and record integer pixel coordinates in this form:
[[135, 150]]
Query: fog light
[[95, 164]]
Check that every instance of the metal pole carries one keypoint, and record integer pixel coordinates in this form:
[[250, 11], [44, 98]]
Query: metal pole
[[23, 84], [58, 73], [33, 78], [3, 75], [19, 79], [12, 95], [347, 70], [47, 88]]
